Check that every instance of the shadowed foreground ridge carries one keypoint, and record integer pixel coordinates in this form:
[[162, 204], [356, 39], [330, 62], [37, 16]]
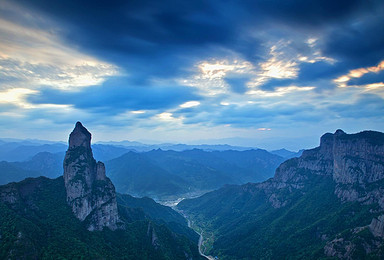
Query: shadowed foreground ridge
[[327, 203]]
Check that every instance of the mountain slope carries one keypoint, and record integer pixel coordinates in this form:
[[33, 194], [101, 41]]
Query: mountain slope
[[327, 203], [37, 223], [160, 173], [42, 164], [23, 151], [147, 208], [10, 172], [47, 164], [135, 174]]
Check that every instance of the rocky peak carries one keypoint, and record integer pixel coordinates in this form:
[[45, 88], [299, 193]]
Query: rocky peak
[[80, 136], [89, 192], [353, 161]]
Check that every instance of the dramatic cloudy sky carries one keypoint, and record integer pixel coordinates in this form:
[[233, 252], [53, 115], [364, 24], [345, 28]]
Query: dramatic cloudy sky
[[266, 73]]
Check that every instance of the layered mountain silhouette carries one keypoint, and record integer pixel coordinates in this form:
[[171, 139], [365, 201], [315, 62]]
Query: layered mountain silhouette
[[162, 174], [328, 203]]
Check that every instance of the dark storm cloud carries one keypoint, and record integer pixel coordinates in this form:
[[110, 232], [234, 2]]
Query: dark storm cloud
[[359, 43], [308, 13], [146, 37], [164, 38], [115, 96]]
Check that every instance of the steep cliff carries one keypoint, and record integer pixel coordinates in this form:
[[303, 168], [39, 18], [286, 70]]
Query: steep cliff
[[89, 192], [354, 161], [327, 203]]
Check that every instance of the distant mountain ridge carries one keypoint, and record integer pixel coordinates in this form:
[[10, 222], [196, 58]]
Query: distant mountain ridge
[[326, 203], [160, 174], [141, 147], [286, 154], [17, 150], [42, 164], [167, 172]]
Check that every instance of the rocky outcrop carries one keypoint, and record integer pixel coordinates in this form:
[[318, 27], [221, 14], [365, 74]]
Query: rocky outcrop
[[377, 226], [332, 248], [355, 162], [89, 192]]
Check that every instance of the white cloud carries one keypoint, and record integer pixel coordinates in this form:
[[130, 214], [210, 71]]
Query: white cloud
[[190, 104], [15, 96], [278, 66], [165, 116], [31, 56], [280, 91], [210, 75], [138, 112]]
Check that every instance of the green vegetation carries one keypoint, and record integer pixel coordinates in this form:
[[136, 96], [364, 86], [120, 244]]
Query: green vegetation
[[245, 226], [40, 225], [130, 207]]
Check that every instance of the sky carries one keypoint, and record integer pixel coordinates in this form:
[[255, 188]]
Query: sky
[[263, 73]]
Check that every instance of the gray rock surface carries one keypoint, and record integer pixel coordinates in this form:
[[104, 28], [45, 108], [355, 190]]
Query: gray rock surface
[[377, 226], [89, 192], [354, 161]]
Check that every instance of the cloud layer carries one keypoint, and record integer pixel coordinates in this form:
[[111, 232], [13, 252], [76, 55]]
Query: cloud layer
[[175, 70]]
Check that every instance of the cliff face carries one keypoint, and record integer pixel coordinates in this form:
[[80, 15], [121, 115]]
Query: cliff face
[[89, 192], [354, 161]]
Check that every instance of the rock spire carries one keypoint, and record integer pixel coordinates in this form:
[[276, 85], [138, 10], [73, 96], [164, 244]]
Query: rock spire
[[90, 193]]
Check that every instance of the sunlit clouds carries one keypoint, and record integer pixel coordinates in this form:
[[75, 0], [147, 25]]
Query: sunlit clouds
[[210, 75], [277, 66], [15, 96], [32, 55], [343, 80]]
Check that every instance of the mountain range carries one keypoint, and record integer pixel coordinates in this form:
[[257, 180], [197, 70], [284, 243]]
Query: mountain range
[[157, 173], [162, 174], [80, 216], [326, 204]]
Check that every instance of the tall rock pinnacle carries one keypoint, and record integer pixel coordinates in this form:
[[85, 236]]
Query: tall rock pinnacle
[[90, 193]]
